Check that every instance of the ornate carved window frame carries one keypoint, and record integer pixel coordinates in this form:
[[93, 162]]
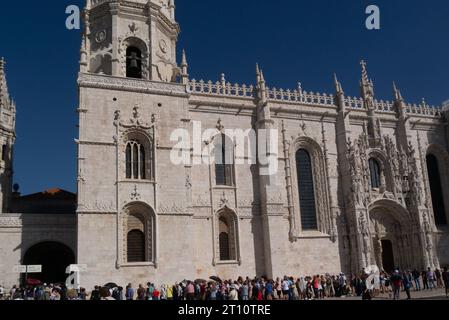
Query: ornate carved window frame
[[442, 157], [144, 132], [232, 218], [148, 215], [322, 201], [133, 41], [386, 175]]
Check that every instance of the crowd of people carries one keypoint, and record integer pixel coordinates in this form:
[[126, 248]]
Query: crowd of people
[[363, 285]]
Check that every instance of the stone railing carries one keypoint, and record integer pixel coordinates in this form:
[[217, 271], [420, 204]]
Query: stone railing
[[424, 110], [221, 89], [310, 98], [226, 89], [355, 103]]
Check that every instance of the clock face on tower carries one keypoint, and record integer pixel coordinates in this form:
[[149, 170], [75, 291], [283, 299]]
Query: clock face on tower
[[100, 36]]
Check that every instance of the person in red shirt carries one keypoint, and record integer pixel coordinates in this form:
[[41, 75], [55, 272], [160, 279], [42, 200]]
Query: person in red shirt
[[156, 294]]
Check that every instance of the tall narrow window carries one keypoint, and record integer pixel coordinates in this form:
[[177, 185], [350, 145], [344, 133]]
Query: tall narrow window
[[306, 190], [4, 152], [374, 169], [142, 162], [136, 246], [436, 190], [128, 161], [224, 247], [133, 63], [227, 237], [136, 161], [224, 161]]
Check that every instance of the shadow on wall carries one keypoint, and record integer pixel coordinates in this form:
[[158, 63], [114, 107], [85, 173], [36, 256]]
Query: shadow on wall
[[256, 225], [437, 166], [49, 232]]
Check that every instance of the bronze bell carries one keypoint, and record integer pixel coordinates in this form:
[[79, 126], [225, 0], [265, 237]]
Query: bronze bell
[[133, 61]]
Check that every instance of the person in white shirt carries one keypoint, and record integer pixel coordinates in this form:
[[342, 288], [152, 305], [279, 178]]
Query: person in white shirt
[[285, 288], [233, 294]]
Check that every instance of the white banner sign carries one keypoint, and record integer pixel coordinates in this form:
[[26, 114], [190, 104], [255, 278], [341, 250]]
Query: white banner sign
[[34, 269], [27, 269]]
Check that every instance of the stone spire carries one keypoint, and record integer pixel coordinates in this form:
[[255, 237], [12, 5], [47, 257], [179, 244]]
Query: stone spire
[[366, 85], [337, 84], [172, 8], [403, 135], [399, 102], [397, 93], [184, 68], [7, 137], [367, 92], [261, 86], [339, 94], [4, 94]]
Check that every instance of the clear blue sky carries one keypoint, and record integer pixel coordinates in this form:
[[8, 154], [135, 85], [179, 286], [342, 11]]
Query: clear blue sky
[[293, 40]]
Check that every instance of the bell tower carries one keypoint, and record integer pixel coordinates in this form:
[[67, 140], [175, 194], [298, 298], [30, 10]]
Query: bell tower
[[134, 39], [7, 138]]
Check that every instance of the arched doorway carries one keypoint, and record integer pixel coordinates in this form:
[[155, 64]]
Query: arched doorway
[[54, 257], [388, 256], [393, 242]]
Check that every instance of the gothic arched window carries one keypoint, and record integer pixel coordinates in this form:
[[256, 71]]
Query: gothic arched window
[[139, 158], [139, 235], [436, 190], [224, 161], [375, 173], [133, 63], [306, 190], [136, 165], [227, 237]]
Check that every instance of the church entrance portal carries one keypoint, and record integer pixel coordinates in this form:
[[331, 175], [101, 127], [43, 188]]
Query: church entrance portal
[[54, 257]]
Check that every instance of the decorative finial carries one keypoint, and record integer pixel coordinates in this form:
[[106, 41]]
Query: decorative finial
[[397, 93], [133, 28], [262, 77], [184, 69], [136, 113], [338, 87], [365, 79], [366, 85], [219, 126], [184, 58]]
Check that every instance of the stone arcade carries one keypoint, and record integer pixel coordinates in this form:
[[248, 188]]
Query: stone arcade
[[361, 181]]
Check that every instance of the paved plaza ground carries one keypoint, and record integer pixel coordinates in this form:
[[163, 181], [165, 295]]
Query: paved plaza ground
[[438, 294]]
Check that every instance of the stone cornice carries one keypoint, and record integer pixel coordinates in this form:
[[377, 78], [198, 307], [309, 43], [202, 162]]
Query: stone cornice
[[36, 220], [86, 80], [96, 143]]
